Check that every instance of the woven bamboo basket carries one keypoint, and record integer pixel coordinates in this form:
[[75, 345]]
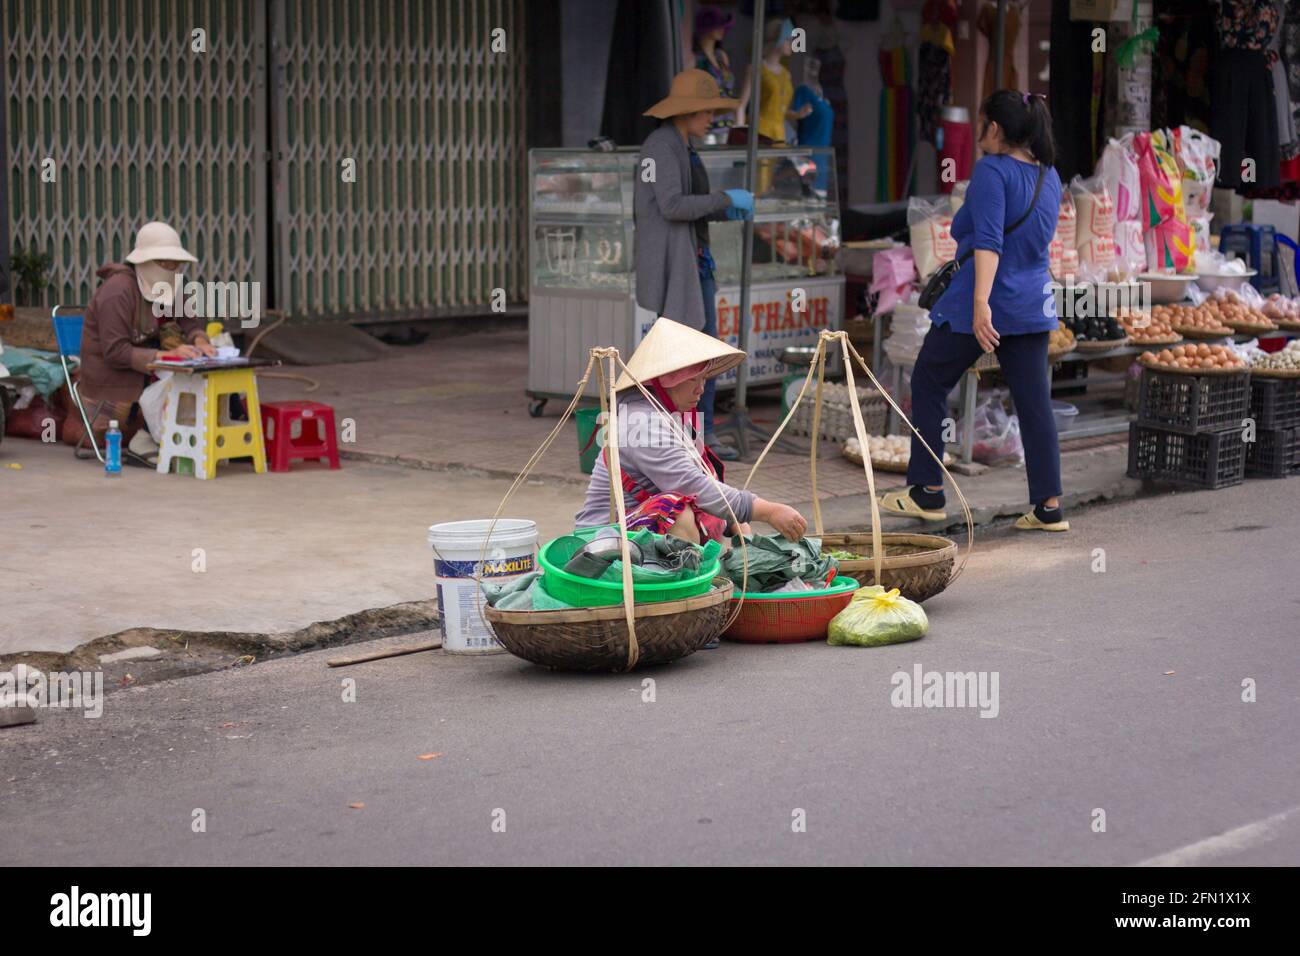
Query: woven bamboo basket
[[1198, 372], [1274, 372], [919, 565], [595, 638], [1251, 328], [1100, 345], [837, 414], [1195, 332]]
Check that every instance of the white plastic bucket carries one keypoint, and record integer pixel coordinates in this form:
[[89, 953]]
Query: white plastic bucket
[[457, 549]]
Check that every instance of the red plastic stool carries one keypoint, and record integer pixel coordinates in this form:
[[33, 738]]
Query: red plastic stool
[[315, 441]]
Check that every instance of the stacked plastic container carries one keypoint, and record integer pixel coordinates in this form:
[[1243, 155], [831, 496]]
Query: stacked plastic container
[[1190, 429]]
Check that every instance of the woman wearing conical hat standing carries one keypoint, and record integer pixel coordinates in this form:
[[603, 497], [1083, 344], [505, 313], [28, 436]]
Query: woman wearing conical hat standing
[[666, 489], [673, 206]]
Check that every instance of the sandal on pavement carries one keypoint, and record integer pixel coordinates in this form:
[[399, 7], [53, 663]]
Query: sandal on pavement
[[901, 502], [1029, 521]]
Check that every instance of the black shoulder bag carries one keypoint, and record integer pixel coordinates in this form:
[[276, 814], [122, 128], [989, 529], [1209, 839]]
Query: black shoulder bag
[[942, 277]]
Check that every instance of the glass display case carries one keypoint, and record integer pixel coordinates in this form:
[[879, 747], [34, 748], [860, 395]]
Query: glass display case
[[583, 281]]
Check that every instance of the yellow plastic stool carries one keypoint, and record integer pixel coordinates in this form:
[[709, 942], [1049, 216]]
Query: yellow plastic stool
[[226, 438], [197, 423]]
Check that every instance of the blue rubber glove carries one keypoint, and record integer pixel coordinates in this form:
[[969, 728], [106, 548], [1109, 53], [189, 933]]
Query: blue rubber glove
[[742, 204]]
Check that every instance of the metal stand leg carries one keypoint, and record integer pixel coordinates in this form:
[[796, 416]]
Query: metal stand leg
[[969, 386]]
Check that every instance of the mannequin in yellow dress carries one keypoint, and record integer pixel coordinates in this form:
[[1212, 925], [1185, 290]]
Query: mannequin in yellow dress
[[776, 88]]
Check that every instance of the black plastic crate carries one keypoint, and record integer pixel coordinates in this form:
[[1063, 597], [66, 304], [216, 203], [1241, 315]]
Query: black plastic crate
[[1202, 459], [1275, 453], [1275, 402], [1193, 403]]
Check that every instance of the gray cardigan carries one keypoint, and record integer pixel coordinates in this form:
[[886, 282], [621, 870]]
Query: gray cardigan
[[657, 462], [667, 273]]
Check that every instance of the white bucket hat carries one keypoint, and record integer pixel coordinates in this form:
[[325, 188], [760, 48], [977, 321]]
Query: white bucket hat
[[157, 240]]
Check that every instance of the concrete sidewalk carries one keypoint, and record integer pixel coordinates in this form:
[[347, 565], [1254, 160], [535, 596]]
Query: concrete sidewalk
[[441, 430], [460, 403]]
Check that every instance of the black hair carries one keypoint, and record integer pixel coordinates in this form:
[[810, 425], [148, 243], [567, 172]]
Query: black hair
[[1025, 122]]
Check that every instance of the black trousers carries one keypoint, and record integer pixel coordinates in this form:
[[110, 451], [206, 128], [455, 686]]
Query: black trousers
[[945, 357]]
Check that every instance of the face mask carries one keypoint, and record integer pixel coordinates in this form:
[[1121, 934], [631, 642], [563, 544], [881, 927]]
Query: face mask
[[151, 276]]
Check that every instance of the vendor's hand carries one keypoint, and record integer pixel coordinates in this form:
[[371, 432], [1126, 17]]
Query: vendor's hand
[[790, 523], [205, 347], [743, 529], [803, 111], [741, 204], [180, 352], [982, 325]]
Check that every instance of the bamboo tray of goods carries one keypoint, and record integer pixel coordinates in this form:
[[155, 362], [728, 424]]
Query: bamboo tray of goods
[[1250, 328], [1201, 334], [850, 453], [1283, 364], [919, 565], [1200, 363], [1173, 339], [1100, 345]]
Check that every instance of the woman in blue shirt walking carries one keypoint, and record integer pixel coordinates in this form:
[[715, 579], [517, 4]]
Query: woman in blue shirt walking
[[999, 301]]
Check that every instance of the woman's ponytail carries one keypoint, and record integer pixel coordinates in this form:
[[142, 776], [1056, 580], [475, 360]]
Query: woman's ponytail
[[1025, 121], [1041, 141]]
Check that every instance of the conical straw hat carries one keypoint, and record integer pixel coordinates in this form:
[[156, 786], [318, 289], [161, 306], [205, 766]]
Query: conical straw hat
[[670, 346]]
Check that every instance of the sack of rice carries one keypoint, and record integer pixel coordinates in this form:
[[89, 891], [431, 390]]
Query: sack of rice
[[1096, 221], [1130, 252], [958, 195], [1067, 222], [1118, 169], [929, 227]]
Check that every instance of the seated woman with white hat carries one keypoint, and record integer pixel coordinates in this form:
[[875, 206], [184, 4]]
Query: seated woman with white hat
[[667, 489], [130, 323]]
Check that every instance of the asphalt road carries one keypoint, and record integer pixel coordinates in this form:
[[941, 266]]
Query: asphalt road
[[1118, 690]]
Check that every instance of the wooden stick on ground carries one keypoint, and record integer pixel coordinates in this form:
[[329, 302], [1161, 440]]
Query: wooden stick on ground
[[379, 655]]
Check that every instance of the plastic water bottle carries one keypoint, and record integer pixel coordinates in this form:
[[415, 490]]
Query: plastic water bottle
[[113, 451]]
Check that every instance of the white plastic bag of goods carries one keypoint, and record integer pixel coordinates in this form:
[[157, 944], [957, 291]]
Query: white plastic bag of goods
[[153, 404], [958, 195], [1198, 160], [1130, 252], [1067, 222], [1096, 221], [1201, 229], [929, 226], [1118, 169]]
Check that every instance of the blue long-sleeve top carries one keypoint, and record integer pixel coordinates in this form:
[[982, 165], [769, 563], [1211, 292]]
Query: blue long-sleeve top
[[1021, 298]]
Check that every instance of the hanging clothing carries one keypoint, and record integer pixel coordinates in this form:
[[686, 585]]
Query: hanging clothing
[[726, 80], [831, 79], [1245, 114], [897, 126], [987, 24], [640, 69]]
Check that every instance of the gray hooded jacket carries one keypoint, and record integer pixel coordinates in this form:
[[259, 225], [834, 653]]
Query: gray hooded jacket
[[667, 271]]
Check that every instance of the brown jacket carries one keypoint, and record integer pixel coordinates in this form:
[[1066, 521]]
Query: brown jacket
[[120, 337]]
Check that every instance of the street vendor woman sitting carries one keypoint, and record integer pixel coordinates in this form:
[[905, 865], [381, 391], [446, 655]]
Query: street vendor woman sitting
[[131, 321], [667, 489]]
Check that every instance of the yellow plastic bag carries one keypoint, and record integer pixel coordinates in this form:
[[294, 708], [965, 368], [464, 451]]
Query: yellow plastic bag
[[875, 617]]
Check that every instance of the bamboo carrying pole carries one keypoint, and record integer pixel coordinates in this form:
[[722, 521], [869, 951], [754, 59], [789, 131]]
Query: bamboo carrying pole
[[817, 367], [606, 362]]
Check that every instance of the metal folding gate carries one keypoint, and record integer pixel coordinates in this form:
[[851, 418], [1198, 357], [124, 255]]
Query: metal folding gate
[[376, 172], [108, 105]]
